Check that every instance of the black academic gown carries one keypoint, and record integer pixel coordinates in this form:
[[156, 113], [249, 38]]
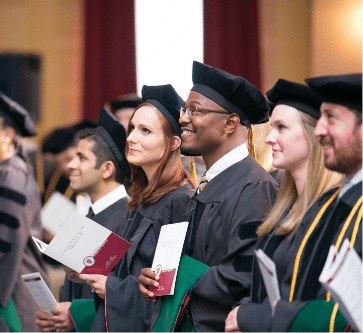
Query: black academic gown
[[283, 251], [222, 234], [113, 218], [125, 307], [20, 207]]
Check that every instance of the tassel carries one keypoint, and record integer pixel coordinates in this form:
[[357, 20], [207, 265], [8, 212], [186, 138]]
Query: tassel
[[251, 143], [39, 169], [192, 168]]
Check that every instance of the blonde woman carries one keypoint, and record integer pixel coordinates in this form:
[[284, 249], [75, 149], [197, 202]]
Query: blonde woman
[[305, 188]]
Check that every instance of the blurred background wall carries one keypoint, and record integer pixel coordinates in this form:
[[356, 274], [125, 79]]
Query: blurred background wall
[[83, 51]]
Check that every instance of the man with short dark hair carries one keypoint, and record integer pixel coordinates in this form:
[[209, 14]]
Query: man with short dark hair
[[99, 169], [233, 198]]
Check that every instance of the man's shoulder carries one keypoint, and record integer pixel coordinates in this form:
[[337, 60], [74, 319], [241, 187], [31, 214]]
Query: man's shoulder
[[246, 171]]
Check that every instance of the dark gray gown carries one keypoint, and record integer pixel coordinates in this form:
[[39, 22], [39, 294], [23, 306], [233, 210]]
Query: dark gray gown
[[222, 234], [255, 312], [20, 207], [126, 309], [113, 218]]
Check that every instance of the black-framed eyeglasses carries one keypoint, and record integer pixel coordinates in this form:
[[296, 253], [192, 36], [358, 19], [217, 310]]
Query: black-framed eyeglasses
[[192, 111]]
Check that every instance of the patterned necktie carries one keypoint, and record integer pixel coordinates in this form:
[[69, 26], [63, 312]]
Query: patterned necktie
[[203, 182]]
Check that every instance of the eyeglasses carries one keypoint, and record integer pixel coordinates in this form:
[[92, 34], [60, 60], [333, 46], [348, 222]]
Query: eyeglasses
[[192, 111]]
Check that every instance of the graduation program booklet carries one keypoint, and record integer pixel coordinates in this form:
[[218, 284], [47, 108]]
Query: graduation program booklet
[[85, 246], [56, 211], [268, 271], [342, 276], [40, 291], [167, 257]]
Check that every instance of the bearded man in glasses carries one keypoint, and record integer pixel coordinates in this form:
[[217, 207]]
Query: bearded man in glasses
[[233, 198]]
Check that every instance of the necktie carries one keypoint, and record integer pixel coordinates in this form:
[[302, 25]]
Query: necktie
[[90, 213], [203, 182]]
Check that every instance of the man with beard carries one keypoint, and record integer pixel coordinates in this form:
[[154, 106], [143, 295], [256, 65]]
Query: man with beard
[[233, 198], [340, 131]]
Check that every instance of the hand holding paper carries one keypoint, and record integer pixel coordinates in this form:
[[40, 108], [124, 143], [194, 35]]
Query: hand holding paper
[[167, 257], [342, 276], [85, 246], [268, 271], [40, 291]]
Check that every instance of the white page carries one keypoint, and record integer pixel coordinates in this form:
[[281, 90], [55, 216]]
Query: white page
[[79, 238], [40, 291], [85, 246], [268, 271], [169, 248], [344, 281], [56, 211]]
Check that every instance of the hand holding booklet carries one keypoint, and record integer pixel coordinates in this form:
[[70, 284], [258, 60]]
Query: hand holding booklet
[[268, 271], [342, 276], [85, 246], [40, 291], [167, 257]]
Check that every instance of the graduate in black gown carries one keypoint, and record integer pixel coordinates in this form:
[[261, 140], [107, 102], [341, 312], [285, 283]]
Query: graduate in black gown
[[160, 191], [297, 238], [100, 170], [20, 206], [234, 200]]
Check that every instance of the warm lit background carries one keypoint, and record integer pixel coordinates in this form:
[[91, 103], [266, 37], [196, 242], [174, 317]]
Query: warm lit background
[[92, 51]]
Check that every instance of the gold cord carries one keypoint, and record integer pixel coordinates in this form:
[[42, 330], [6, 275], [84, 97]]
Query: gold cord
[[305, 239], [345, 227], [332, 318]]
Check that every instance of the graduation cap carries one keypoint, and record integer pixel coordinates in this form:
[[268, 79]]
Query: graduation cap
[[126, 103], [16, 117], [339, 89], [299, 96], [62, 138], [234, 93], [115, 136], [167, 101]]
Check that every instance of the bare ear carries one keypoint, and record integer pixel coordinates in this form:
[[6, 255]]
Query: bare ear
[[108, 169], [9, 134], [232, 123], [176, 143]]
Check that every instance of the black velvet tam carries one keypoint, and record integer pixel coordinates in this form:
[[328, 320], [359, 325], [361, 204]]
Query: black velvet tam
[[115, 136], [16, 116], [167, 101], [299, 96], [62, 138], [233, 93], [339, 89], [127, 103]]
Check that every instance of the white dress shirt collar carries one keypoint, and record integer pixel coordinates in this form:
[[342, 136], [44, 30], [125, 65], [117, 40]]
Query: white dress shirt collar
[[348, 183], [109, 199], [234, 156]]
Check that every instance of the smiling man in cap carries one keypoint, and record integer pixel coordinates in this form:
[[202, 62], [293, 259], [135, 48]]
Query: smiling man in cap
[[233, 198], [100, 170]]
